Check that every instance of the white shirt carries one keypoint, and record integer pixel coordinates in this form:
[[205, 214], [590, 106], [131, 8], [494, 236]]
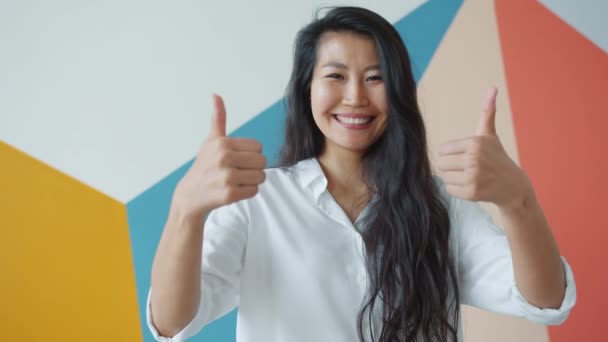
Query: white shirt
[[292, 261]]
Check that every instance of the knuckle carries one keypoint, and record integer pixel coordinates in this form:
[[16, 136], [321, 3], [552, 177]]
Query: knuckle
[[474, 152], [475, 145], [474, 193], [227, 176], [257, 177], [222, 145], [263, 161], [214, 144], [471, 161], [224, 159], [473, 175], [223, 142], [229, 195]]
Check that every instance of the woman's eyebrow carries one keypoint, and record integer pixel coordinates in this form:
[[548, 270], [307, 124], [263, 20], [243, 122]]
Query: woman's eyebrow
[[342, 66]]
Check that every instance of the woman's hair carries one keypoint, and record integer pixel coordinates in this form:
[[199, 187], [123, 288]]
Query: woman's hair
[[406, 230]]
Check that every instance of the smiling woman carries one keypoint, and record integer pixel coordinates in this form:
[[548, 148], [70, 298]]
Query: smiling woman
[[362, 67], [353, 237]]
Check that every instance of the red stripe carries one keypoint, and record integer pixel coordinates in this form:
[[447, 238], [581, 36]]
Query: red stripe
[[558, 85]]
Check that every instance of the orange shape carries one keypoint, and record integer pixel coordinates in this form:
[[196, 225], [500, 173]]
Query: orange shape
[[65, 256]]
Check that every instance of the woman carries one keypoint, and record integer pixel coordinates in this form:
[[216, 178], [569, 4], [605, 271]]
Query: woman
[[353, 238]]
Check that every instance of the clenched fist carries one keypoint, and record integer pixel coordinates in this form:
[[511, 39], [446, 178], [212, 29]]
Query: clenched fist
[[477, 168], [225, 170]]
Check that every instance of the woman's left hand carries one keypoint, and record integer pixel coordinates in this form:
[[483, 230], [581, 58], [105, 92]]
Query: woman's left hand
[[478, 168]]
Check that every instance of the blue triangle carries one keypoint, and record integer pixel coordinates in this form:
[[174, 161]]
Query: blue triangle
[[422, 30]]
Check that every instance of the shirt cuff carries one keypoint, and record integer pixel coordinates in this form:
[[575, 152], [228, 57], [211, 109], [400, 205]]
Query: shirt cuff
[[188, 331], [549, 316]]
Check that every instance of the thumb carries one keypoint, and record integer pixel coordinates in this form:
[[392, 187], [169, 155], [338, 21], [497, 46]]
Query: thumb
[[218, 120], [487, 123]]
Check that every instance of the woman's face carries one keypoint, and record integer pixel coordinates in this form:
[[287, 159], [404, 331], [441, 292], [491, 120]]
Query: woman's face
[[347, 92]]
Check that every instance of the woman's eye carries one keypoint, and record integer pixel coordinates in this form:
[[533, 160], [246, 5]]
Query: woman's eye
[[336, 76], [375, 78]]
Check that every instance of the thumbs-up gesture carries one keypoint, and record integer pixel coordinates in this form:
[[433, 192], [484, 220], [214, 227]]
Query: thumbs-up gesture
[[225, 170], [478, 168]]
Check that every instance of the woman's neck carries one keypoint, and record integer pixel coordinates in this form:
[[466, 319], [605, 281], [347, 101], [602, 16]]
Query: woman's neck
[[345, 182], [343, 171]]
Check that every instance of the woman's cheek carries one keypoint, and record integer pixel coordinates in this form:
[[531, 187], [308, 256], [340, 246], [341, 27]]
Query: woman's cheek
[[324, 97]]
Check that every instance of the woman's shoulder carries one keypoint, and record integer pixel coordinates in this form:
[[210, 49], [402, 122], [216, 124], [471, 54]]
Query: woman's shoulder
[[298, 173], [278, 179], [283, 186]]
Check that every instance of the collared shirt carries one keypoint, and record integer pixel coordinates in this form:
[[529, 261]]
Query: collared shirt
[[293, 263]]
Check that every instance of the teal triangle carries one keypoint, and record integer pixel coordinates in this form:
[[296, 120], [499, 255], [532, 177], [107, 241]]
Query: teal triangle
[[423, 29]]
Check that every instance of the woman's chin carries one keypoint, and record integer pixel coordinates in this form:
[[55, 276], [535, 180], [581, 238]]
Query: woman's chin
[[356, 147]]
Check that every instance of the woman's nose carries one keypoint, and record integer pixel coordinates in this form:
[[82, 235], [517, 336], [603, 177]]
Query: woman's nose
[[355, 95]]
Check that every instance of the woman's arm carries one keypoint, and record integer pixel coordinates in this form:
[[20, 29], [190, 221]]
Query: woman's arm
[[537, 265], [478, 169], [176, 274], [225, 171]]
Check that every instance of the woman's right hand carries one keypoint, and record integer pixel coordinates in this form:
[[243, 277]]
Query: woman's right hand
[[225, 170]]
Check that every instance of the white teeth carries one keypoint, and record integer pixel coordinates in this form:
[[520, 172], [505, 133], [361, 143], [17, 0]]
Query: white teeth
[[353, 121]]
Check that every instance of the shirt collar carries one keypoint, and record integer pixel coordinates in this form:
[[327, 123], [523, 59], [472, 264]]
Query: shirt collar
[[310, 176]]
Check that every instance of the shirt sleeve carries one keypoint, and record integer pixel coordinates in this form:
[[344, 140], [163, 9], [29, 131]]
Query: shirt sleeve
[[486, 269], [224, 243]]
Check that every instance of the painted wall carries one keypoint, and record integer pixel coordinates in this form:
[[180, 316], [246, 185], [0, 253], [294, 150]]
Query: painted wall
[[104, 104]]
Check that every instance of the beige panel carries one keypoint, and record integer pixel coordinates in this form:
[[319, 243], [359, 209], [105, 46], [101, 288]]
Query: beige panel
[[467, 63]]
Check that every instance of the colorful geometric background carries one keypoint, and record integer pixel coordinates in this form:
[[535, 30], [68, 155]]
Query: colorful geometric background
[[104, 105]]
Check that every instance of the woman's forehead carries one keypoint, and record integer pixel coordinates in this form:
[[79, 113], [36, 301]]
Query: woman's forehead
[[345, 48]]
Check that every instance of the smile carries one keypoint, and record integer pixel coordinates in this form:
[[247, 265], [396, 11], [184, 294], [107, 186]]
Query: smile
[[354, 121]]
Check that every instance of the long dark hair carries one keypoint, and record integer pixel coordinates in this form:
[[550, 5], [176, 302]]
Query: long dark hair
[[407, 229]]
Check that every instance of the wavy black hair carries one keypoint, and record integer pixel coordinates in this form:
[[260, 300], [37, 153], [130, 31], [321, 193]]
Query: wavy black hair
[[412, 272]]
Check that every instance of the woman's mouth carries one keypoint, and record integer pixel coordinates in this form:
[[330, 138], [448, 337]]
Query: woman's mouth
[[354, 121]]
